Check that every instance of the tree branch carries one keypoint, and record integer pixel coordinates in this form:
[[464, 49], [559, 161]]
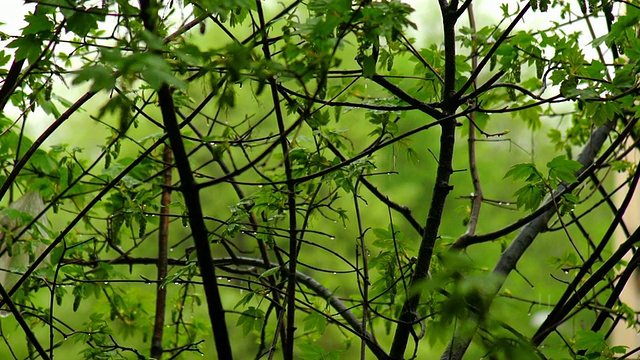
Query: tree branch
[[6, 299], [301, 278], [441, 187], [509, 258], [492, 51], [190, 192], [163, 253]]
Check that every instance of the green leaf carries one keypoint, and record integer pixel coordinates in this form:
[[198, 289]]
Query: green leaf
[[157, 77], [4, 58], [84, 20], [620, 349], [38, 23], [571, 198], [57, 254], [43, 163], [595, 70], [527, 171], [382, 234], [50, 108], [250, 319], [76, 303], [101, 76], [557, 77], [462, 65], [530, 196], [28, 47], [154, 42], [270, 272], [245, 300], [309, 351], [319, 118], [563, 169], [79, 293], [20, 217], [555, 137], [590, 341], [315, 322], [568, 87], [530, 115], [368, 66]]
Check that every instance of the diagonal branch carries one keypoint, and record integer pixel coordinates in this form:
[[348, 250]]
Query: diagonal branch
[[23, 324], [509, 258], [402, 95], [492, 51], [565, 303]]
